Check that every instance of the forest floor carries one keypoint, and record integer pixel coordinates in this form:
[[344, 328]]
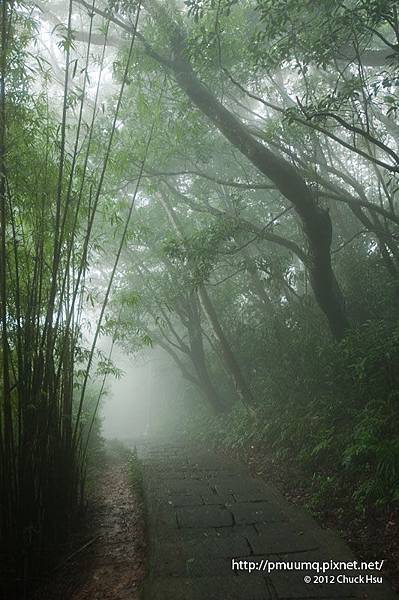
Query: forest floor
[[108, 559], [371, 536]]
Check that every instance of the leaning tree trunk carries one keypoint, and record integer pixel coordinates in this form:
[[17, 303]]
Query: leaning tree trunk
[[179, 362], [315, 220], [198, 357], [230, 360]]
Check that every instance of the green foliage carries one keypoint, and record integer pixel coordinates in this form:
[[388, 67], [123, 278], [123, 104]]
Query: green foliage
[[339, 424], [117, 451], [321, 30], [201, 250]]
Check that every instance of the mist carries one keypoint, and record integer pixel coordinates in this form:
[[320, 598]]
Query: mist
[[148, 400]]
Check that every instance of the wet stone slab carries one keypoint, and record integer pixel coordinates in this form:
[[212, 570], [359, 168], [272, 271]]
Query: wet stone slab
[[184, 487], [278, 538], [222, 547], [245, 513], [243, 487], [291, 586], [179, 500], [221, 499], [204, 510], [208, 566], [236, 531], [208, 588], [204, 516]]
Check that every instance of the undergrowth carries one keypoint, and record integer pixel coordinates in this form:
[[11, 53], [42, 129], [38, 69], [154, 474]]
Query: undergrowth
[[339, 426]]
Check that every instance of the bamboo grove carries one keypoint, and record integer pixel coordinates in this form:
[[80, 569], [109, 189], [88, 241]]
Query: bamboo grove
[[51, 194]]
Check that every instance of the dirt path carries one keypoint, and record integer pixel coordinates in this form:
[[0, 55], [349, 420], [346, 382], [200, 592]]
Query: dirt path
[[112, 565]]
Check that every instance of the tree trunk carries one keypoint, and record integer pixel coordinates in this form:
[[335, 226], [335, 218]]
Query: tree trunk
[[198, 357], [230, 361], [315, 220], [240, 382]]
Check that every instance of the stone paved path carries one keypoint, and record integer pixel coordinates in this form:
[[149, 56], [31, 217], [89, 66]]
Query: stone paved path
[[204, 510]]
